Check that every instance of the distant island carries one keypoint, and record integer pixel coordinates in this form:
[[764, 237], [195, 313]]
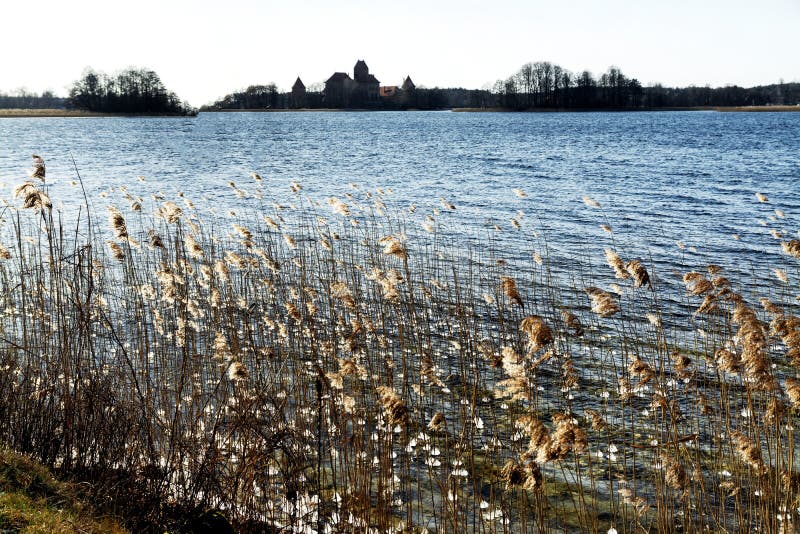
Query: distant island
[[539, 86], [535, 86]]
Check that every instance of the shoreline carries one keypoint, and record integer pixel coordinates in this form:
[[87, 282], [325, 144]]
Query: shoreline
[[286, 110], [70, 113], [721, 109]]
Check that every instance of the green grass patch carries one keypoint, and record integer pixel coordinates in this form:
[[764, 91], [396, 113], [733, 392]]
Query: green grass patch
[[33, 501]]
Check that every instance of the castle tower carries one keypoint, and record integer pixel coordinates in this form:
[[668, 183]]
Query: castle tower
[[360, 71], [299, 94]]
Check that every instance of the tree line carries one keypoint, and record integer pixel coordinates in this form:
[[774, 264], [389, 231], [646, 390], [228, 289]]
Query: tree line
[[131, 91], [254, 97], [547, 85], [24, 99]]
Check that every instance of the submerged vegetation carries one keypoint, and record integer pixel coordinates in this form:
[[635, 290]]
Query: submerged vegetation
[[340, 366]]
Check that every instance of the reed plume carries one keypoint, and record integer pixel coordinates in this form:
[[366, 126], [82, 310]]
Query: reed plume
[[38, 168], [753, 340], [572, 322], [116, 251], [603, 304], [792, 248], [641, 370], [388, 281], [154, 239], [339, 207], [428, 370], [727, 361], [682, 365], [237, 372], [516, 386], [567, 436], [638, 273], [393, 406], [437, 423], [392, 246], [170, 212], [513, 473], [509, 286], [540, 445], [787, 327], [592, 203], [117, 222], [596, 420], [193, 247], [339, 290], [793, 392], [697, 284], [32, 197], [290, 241], [539, 334], [675, 475], [616, 263], [749, 452], [776, 411], [271, 223]]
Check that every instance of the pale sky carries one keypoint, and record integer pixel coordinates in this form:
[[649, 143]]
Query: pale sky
[[204, 49]]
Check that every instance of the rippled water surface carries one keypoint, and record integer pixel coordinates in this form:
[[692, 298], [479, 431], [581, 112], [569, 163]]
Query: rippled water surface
[[661, 177]]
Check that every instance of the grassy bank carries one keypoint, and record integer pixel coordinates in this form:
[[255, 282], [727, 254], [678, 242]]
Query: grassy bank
[[352, 363], [758, 108], [33, 501], [13, 113]]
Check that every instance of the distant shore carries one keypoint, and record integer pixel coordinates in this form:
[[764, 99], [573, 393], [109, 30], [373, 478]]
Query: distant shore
[[571, 110], [69, 113], [73, 113], [281, 110], [509, 110]]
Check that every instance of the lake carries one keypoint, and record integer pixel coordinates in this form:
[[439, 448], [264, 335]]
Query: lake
[[662, 177]]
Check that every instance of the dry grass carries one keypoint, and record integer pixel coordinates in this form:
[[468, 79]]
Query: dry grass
[[758, 108], [56, 113], [323, 365], [11, 113]]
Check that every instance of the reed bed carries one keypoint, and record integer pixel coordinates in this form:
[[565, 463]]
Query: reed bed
[[335, 365]]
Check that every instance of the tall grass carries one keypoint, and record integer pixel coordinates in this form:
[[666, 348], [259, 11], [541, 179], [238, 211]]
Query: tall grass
[[328, 367]]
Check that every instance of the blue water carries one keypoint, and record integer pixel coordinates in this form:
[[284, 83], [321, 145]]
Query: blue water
[[662, 178]]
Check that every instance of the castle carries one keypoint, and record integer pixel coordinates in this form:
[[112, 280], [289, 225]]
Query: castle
[[363, 90]]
